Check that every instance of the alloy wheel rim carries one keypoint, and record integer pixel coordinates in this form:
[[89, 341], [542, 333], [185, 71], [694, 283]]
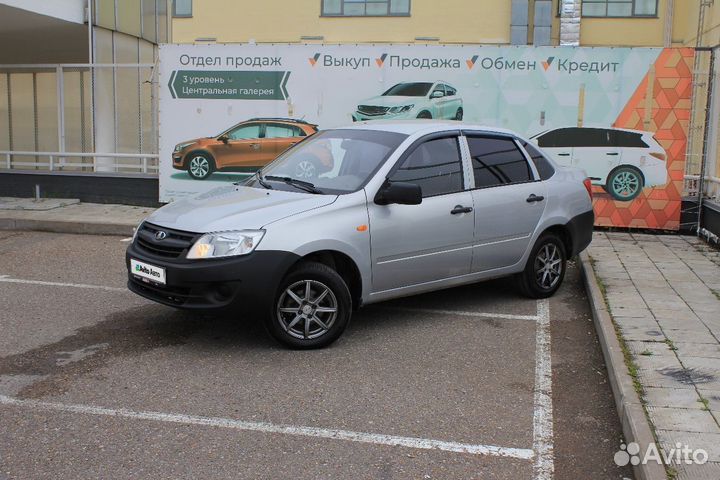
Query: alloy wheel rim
[[307, 309], [548, 266], [199, 166], [305, 169], [625, 184]]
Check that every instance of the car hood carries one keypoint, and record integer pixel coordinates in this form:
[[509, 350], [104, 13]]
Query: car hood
[[235, 208], [390, 101]]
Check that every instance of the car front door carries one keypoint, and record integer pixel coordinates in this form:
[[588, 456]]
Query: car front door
[[556, 143], [416, 244], [438, 101], [242, 148], [508, 201]]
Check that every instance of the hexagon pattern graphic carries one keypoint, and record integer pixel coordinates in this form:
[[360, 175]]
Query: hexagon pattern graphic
[[657, 207]]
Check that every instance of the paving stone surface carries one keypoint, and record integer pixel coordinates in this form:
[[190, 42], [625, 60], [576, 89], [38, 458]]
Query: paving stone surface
[[663, 292]]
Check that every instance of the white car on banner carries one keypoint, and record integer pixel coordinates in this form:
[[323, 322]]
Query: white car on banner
[[412, 100], [622, 161]]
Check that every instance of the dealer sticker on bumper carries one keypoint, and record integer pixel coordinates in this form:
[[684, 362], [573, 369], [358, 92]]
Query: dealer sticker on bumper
[[147, 271]]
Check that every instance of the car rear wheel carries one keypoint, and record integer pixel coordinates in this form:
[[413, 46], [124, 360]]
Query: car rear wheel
[[545, 268], [624, 184], [200, 166], [459, 114], [312, 308], [424, 114]]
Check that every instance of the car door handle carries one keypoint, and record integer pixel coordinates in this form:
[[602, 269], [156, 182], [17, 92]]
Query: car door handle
[[255, 146], [460, 209], [612, 153], [563, 154], [534, 198]]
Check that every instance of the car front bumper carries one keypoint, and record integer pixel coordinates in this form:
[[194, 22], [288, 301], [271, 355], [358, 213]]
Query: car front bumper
[[248, 281]]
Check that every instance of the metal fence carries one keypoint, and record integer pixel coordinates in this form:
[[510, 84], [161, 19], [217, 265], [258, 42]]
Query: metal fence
[[85, 118]]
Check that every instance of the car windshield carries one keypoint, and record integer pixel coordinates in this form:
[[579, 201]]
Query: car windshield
[[332, 161], [418, 89]]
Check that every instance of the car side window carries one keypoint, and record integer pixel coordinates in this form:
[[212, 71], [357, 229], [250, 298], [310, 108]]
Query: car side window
[[245, 132], [555, 139], [273, 130], [435, 165], [629, 139], [544, 168], [449, 91], [497, 161]]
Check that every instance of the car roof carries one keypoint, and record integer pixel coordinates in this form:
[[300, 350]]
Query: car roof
[[601, 127], [410, 127]]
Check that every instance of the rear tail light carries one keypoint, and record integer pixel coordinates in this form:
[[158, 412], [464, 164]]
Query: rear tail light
[[658, 155], [588, 187]]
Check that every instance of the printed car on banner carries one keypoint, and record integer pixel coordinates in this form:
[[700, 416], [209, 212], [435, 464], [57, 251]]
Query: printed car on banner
[[621, 114]]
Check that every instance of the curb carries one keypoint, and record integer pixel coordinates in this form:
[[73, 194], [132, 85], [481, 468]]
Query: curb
[[635, 425], [57, 226]]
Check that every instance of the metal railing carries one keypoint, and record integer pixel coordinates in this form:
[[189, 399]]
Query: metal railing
[[711, 186], [98, 162]]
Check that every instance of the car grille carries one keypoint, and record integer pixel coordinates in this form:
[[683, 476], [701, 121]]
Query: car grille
[[175, 243], [163, 294], [372, 110]]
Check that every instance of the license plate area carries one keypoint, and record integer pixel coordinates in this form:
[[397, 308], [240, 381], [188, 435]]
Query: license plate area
[[147, 272]]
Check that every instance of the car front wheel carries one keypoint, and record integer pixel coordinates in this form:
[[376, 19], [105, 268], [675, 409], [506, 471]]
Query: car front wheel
[[200, 166], [545, 268], [312, 308]]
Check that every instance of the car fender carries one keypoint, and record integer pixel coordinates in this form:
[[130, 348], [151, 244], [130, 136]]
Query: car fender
[[341, 226]]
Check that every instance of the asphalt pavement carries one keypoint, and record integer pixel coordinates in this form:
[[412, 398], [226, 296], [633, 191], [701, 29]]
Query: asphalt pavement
[[472, 382]]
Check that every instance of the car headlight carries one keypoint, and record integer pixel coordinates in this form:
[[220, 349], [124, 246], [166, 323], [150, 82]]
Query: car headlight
[[225, 244], [401, 109], [180, 146]]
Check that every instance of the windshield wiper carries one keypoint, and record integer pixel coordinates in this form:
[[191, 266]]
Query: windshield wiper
[[262, 181], [301, 184]]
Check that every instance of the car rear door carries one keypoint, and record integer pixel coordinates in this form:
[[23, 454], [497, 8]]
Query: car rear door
[[278, 138], [415, 244], [596, 151], [508, 198]]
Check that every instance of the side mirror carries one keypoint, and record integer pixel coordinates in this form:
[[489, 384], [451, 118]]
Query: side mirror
[[223, 138], [402, 193], [437, 94]]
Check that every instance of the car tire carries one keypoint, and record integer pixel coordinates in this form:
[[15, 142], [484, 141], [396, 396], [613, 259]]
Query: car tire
[[200, 165], [425, 114], [624, 183], [542, 275], [311, 309], [459, 114]]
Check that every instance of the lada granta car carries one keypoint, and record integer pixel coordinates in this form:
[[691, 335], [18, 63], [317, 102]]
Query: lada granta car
[[357, 215]]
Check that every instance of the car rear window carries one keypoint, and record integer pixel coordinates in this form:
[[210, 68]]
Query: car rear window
[[497, 161], [544, 168]]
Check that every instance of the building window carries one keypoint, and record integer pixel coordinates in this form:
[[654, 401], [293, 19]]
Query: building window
[[182, 8], [365, 8], [619, 8]]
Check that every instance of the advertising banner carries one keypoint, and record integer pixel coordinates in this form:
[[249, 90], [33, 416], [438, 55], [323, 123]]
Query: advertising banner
[[621, 114]]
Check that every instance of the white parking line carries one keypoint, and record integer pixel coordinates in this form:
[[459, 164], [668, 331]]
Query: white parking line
[[8, 279], [333, 434], [503, 316], [544, 464]]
